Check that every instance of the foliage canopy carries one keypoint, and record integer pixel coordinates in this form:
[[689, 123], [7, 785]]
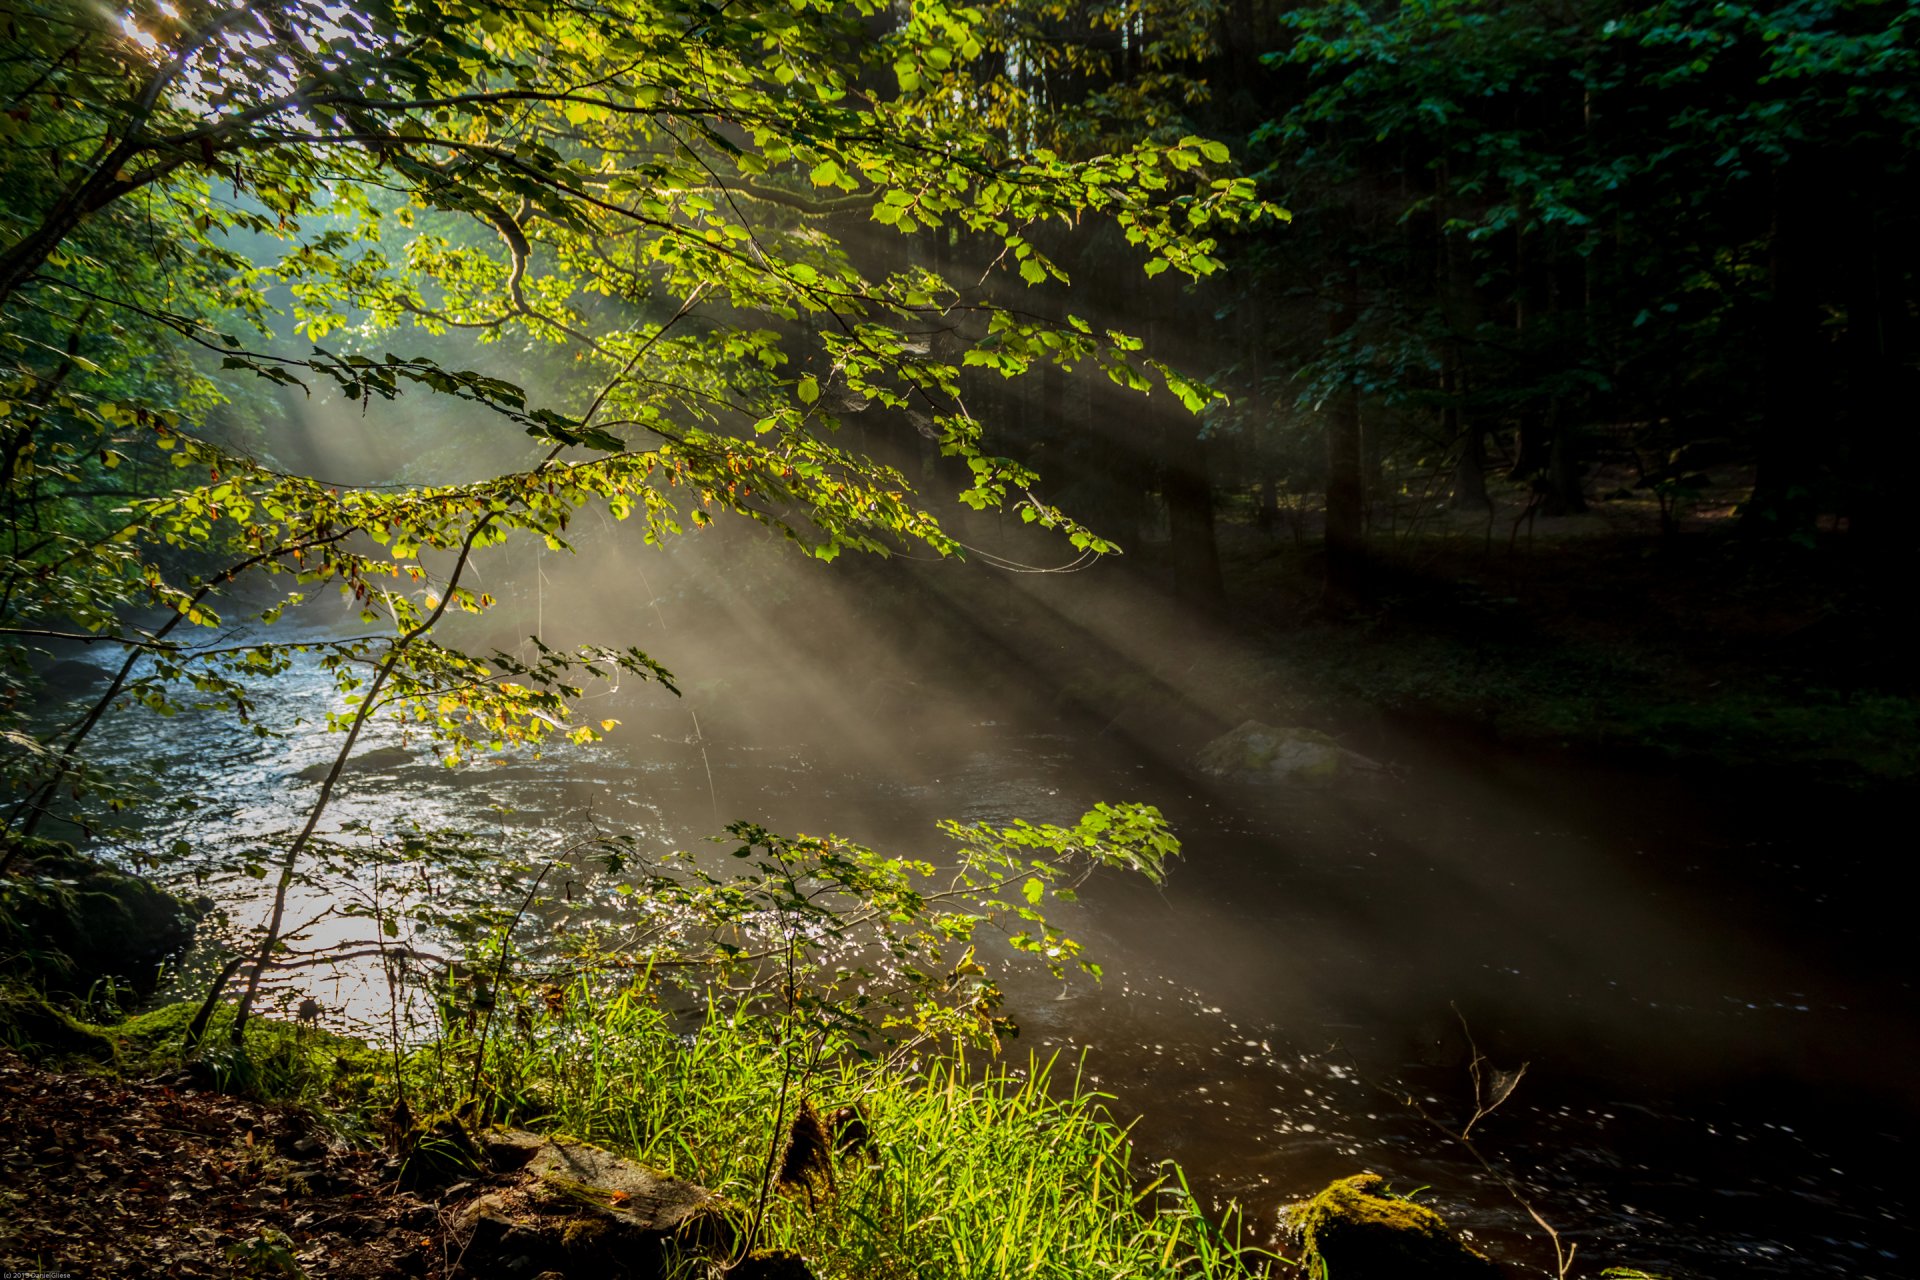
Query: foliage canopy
[[689, 208]]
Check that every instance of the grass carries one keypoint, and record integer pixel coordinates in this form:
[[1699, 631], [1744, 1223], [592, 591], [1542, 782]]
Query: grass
[[977, 1170]]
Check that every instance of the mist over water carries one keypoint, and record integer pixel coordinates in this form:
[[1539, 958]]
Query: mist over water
[[1715, 1025], [1709, 991]]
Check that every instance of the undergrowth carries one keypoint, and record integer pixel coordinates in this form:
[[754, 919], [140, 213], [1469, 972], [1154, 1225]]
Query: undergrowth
[[973, 1170]]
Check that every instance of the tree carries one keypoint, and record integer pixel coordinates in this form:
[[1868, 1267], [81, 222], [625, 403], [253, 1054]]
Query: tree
[[1585, 214], [644, 183]]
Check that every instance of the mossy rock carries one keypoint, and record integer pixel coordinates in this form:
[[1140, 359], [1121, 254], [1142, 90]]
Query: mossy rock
[[1256, 752], [41, 1030], [438, 1152], [1355, 1230], [81, 921]]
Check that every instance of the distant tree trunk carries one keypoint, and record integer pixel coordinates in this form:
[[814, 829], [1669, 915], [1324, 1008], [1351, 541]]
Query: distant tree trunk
[[1346, 483], [1266, 504], [1883, 423], [1193, 551], [1543, 454], [1470, 467], [1783, 501], [1530, 445], [1346, 507], [1562, 477], [1454, 285], [1545, 458], [1470, 464]]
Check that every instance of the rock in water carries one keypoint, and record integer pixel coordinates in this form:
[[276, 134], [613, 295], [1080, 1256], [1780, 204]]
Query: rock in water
[[1354, 1230], [365, 762], [71, 675], [1257, 752], [585, 1212]]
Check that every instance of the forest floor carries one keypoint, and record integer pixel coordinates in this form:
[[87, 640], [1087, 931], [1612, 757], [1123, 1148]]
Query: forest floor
[[111, 1177]]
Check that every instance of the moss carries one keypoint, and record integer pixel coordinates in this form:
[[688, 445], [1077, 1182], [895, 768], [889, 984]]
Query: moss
[[1323, 768], [280, 1061], [29, 1023], [157, 1028], [1355, 1230], [583, 1233], [439, 1152]]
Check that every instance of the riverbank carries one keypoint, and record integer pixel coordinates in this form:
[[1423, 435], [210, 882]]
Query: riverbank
[[269, 1159], [1692, 651], [1593, 638]]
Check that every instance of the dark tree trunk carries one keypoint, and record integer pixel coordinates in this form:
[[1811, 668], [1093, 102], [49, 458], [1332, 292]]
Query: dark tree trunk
[[1346, 515], [1783, 502], [1530, 445], [1882, 413], [1187, 486], [1470, 467], [1346, 475], [1562, 478]]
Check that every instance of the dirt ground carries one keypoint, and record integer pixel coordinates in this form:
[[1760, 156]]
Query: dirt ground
[[103, 1178]]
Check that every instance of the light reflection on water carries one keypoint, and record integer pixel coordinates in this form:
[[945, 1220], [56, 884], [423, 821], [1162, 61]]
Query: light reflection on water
[[1702, 1098]]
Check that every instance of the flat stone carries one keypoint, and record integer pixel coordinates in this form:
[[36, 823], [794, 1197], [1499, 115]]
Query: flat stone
[[585, 1212]]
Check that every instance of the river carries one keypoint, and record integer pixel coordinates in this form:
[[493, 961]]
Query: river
[[1710, 983]]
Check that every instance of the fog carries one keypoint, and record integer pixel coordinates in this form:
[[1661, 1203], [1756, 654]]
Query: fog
[[1638, 939]]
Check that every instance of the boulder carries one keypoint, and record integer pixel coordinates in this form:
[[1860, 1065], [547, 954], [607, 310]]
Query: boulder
[[584, 1212], [1257, 752], [103, 922], [1355, 1230]]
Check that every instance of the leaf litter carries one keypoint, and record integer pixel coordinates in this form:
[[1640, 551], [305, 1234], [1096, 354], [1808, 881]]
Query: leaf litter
[[104, 1177]]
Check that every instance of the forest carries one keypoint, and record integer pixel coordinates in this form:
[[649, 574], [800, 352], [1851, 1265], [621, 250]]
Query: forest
[[899, 638]]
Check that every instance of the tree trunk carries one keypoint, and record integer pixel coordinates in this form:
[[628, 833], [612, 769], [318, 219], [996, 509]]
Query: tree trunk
[[1346, 517], [1562, 478], [1783, 503], [1882, 434], [1470, 467], [1188, 487], [1345, 583]]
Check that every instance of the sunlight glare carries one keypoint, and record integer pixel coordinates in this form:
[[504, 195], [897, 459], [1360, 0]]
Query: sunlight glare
[[145, 39]]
